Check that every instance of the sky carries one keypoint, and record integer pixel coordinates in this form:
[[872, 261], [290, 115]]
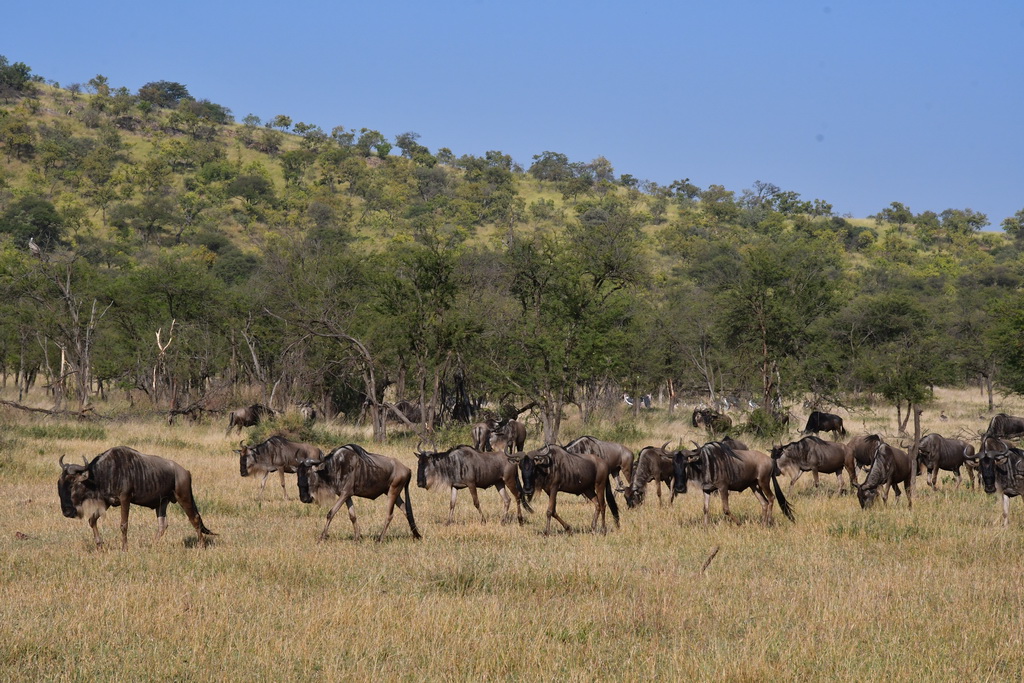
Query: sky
[[858, 103]]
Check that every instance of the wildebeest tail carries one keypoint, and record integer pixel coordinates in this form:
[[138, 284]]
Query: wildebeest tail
[[784, 505], [609, 497], [408, 513]]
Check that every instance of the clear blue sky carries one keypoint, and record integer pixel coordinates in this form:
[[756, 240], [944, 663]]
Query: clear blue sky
[[860, 103]]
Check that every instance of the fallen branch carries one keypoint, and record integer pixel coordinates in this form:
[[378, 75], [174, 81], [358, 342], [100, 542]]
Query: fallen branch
[[83, 414], [714, 551]]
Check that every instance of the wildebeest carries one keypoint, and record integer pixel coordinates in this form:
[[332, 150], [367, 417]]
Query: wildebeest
[[890, 467], [551, 468], [618, 457], [712, 421], [1003, 426], [935, 452], [863, 449], [720, 468], [308, 411], [508, 432], [658, 464], [1002, 471], [349, 471], [482, 434], [248, 417], [652, 463], [121, 477], [815, 455], [276, 454], [464, 467], [824, 422]]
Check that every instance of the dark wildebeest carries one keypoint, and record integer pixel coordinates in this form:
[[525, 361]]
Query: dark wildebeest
[[717, 467], [464, 467], [890, 467], [652, 463], [1004, 426], [122, 476], [508, 432], [863, 449], [712, 421], [658, 464], [815, 455], [935, 452], [552, 469], [276, 454], [824, 422], [618, 457], [1002, 471], [248, 417], [349, 471], [482, 434]]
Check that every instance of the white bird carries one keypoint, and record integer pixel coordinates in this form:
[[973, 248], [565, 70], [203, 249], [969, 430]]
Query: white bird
[[34, 248]]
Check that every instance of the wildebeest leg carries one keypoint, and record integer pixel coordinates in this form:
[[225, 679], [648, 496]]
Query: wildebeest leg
[[707, 508], [1006, 510], [506, 499], [476, 502], [725, 505], [657, 489], [263, 484], [93, 519], [283, 489], [552, 513], [126, 502], [451, 506], [814, 473], [959, 479], [344, 499], [393, 494], [794, 477], [599, 511], [933, 477], [896, 488], [161, 519], [766, 505]]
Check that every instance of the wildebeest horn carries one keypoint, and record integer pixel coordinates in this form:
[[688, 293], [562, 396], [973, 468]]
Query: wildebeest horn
[[418, 444], [60, 461], [85, 461], [665, 445]]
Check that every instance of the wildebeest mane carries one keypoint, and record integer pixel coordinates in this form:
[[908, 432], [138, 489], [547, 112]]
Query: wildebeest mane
[[712, 460], [880, 466], [447, 468]]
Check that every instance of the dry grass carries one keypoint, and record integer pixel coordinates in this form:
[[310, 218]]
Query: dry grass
[[933, 593]]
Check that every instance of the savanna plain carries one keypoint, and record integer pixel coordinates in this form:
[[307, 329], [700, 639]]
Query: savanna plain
[[932, 593]]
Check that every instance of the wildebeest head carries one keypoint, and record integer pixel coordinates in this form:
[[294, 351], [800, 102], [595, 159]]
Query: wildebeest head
[[309, 478], [683, 464], [988, 462], [531, 465], [423, 459], [73, 487], [246, 458], [867, 493]]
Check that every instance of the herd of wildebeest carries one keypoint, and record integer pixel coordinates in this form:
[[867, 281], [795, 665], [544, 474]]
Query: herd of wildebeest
[[121, 476]]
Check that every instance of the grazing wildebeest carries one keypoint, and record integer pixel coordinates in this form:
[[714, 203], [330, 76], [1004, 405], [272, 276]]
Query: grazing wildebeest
[[824, 422], [1002, 471], [863, 449], [276, 454], [508, 432], [248, 417], [618, 457], [349, 471], [815, 455], [935, 452], [308, 411], [890, 467], [720, 468], [552, 469], [712, 421], [482, 434], [1003, 426], [121, 477], [464, 467], [652, 463]]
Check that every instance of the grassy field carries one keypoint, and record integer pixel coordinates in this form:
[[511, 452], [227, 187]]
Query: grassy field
[[932, 593]]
